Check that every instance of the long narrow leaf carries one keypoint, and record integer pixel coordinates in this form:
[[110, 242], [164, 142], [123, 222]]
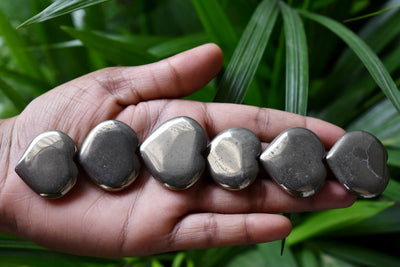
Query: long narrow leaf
[[13, 95], [59, 8], [366, 55], [177, 45], [246, 58], [296, 61], [216, 24], [331, 220], [378, 32], [357, 254], [271, 252], [118, 51], [26, 61]]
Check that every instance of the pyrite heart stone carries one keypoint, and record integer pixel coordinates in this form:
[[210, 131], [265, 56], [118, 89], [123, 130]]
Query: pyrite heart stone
[[173, 152], [294, 161], [358, 160], [47, 165], [233, 158], [108, 155]]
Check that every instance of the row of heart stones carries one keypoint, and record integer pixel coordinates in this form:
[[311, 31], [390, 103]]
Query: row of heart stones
[[176, 154]]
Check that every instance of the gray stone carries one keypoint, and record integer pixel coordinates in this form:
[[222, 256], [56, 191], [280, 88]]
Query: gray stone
[[173, 153], [358, 160], [294, 161], [233, 158], [108, 155], [47, 165]]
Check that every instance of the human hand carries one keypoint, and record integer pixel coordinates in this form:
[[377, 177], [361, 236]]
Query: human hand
[[147, 218]]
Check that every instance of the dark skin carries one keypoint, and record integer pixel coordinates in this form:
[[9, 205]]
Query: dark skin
[[147, 218]]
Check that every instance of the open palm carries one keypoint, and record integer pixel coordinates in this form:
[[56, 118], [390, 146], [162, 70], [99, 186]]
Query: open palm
[[147, 218]]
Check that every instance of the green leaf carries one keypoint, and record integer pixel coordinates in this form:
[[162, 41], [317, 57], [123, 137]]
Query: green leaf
[[216, 256], [59, 8], [350, 103], [307, 258], [248, 258], [383, 121], [386, 222], [271, 252], [25, 59], [378, 33], [357, 254], [247, 56], [327, 221], [393, 189], [216, 24], [119, 51], [371, 14], [13, 95], [366, 55], [177, 45], [296, 61]]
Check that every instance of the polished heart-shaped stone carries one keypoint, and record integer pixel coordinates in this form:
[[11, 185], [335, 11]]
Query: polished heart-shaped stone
[[108, 155], [294, 161], [358, 160], [232, 158], [173, 153], [47, 165]]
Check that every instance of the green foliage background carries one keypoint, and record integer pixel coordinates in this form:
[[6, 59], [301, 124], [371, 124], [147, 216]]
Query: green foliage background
[[298, 56]]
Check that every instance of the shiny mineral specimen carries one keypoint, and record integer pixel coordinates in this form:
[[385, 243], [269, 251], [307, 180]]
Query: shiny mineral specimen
[[108, 155], [173, 153], [294, 161], [358, 160], [233, 158], [47, 165]]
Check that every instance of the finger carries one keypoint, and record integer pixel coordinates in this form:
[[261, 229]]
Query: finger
[[207, 230], [266, 196], [266, 123], [216, 117], [173, 77]]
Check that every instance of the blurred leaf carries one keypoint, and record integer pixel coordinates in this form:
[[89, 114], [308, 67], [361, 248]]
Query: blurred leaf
[[296, 61], [366, 55], [383, 121], [331, 220], [178, 259], [373, 120], [386, 222], [271, 252], [370, 14], [36, 86], [119, 51], [216, 24], [248, 258], [215, 257], [59, 8], [26, 61], [328, 260], [307, 258], [348, 105], [357, 254], [393, 189], [247, 56], [177, 45], [13, 95], [378, 32]]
